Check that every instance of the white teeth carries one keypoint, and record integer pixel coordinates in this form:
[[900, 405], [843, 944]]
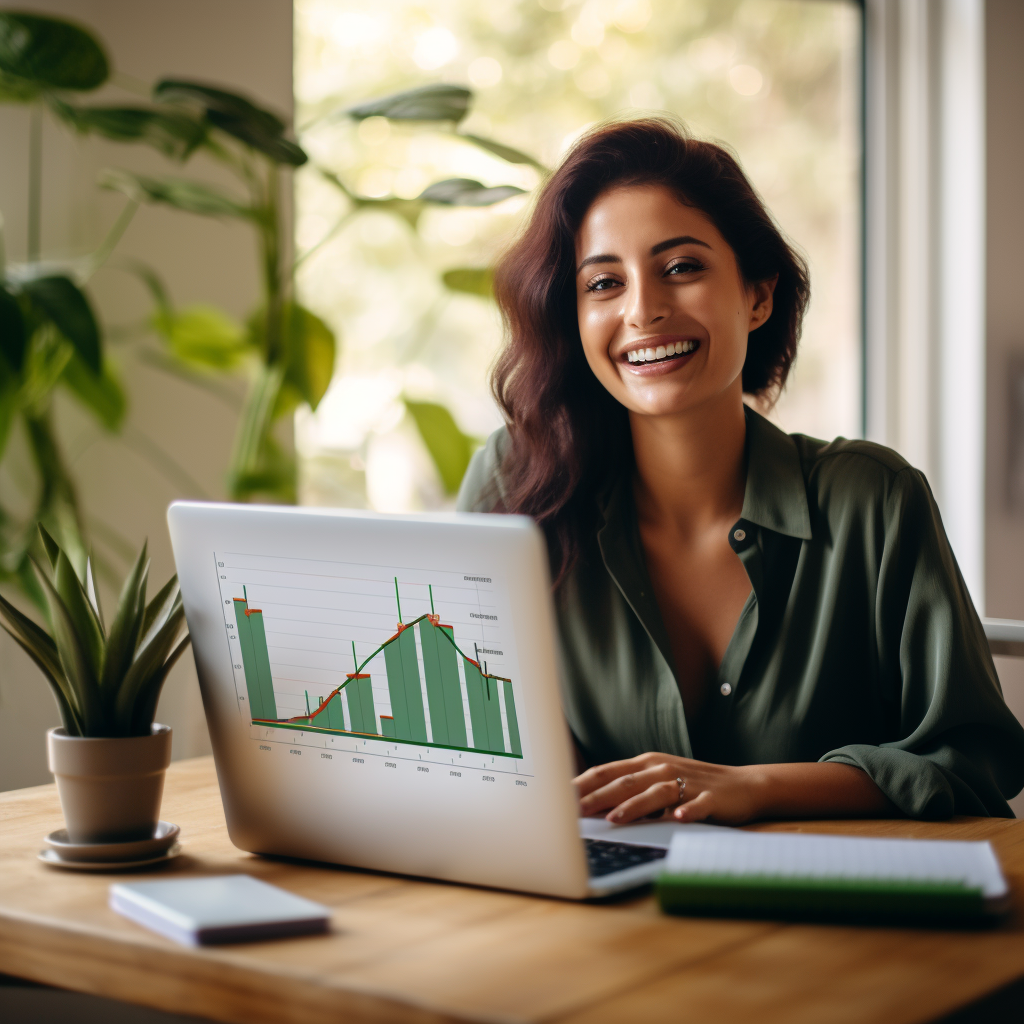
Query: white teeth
[[647, 355]]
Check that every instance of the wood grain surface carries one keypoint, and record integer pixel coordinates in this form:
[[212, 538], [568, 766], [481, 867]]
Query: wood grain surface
[[408, 950]]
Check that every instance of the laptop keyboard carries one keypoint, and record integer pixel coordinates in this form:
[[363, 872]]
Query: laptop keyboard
[[604, 858]]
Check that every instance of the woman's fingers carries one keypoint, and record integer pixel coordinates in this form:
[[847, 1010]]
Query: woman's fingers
[[625, 787], [601, 775], [656, 797], [604, 774], [700, 808]]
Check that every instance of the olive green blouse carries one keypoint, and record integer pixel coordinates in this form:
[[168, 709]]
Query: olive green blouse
[[858, 644]]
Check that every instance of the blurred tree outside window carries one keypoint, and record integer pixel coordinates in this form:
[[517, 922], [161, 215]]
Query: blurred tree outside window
[[777, 81]]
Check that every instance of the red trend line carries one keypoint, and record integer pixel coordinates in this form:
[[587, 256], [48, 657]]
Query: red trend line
[[434, 620]]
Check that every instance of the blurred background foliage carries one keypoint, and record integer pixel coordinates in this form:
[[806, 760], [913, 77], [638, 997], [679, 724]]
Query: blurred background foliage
[[423, 131], [777, 81], [49, 335]]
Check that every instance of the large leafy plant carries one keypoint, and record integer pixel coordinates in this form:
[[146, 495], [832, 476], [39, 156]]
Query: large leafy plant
[[106, 681], [286, 352], [49, 335]]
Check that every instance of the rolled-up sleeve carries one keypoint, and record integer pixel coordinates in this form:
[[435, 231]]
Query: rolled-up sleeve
[[959, 749]]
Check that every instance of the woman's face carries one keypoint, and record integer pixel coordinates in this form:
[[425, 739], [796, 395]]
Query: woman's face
[[664, 313]]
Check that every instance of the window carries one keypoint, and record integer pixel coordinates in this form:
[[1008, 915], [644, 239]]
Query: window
[[778, 81]]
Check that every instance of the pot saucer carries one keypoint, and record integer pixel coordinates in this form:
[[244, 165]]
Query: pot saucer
[[159, 843], [54, 860]]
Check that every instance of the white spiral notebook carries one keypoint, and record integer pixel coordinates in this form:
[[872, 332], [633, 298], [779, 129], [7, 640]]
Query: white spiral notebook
[[801, 875]]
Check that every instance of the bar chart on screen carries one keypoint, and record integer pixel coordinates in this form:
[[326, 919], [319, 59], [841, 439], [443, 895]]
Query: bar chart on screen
[[388, 661]]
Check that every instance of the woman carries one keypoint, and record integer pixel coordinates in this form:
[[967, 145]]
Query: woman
[[753, 624]]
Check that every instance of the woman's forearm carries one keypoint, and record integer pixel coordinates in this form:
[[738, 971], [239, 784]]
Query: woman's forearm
[[817, 790]]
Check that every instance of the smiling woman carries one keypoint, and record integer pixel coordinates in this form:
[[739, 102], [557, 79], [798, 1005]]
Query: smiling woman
[[753, 624]]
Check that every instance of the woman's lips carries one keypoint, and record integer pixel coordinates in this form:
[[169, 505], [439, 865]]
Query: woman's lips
[[661, 354]]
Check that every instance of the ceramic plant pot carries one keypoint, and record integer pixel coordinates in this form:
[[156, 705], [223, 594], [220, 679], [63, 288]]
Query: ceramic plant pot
[[110, 788]]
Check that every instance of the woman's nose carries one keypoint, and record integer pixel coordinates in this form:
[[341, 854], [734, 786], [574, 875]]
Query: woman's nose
[[644, 306]]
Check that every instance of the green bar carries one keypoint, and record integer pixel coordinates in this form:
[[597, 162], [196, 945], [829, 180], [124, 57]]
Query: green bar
[[404, 688], [492, 712], [484, 711], [259, 646], [365, 687], [474, 690], [355, 707], [396, 691], [435, 674], [360, 705], [252, 679], [335, 716], [513, 722], [387, 726], [452, 688], [413, 690]]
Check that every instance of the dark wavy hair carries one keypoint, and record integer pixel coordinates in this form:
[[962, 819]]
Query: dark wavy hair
[[567, 434]]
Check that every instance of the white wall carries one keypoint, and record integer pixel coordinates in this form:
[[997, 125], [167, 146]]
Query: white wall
[[247, 46], [1004, 526]]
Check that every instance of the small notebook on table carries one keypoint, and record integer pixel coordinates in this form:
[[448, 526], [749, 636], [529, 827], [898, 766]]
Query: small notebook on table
[[796, 875], [221, 908]]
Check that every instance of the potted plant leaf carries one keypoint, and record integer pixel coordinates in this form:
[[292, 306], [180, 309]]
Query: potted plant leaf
[[108, 757]]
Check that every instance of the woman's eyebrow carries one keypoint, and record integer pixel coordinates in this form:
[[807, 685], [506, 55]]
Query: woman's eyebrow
[[601, 258], [669, 243]]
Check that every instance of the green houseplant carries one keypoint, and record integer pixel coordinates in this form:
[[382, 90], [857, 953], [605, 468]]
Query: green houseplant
[[50, 339], [108, 757], [286, 351]]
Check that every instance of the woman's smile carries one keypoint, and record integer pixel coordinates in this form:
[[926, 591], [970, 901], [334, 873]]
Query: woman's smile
[[665, 353]]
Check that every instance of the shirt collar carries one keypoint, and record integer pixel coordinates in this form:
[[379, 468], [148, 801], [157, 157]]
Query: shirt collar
[[776, 493]]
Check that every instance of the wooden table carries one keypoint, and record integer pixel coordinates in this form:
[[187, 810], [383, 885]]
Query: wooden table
[[403, 950]]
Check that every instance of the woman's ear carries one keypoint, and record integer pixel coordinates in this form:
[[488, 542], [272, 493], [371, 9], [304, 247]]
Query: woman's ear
[[762, 292]]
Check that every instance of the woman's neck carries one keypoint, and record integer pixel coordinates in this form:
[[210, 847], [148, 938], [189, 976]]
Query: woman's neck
[[690, 467]]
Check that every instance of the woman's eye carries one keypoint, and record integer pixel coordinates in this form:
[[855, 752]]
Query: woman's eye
[[684, 266], [602, 284]]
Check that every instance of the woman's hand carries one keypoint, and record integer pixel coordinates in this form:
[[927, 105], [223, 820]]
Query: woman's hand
[[647, 786], [652, 784]]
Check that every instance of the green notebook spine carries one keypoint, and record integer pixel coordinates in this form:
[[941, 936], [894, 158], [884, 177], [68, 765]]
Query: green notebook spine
[[819, 898]]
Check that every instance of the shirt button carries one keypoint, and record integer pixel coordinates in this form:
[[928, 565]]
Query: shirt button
[[739, 535], [726, 689]]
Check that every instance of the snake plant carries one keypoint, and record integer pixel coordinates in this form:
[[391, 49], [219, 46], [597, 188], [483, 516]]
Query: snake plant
[[107, 682]]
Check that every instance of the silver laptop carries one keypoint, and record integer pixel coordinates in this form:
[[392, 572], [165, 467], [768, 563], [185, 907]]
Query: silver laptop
[[382, 692]]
